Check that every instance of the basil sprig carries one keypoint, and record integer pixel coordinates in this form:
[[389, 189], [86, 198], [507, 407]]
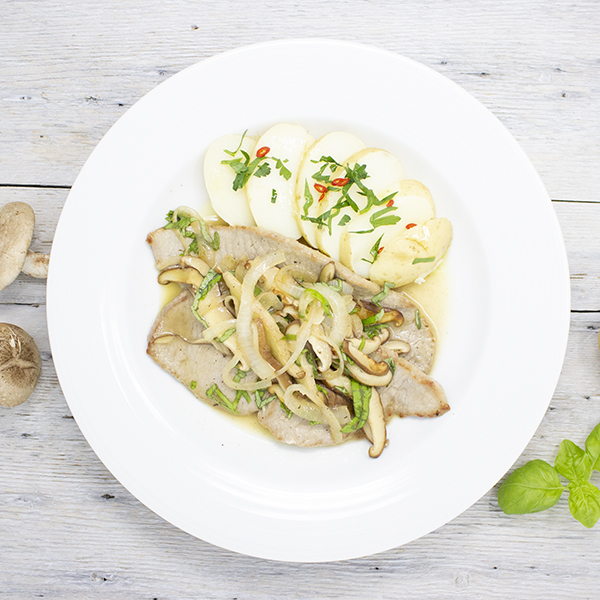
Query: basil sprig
[[537, 486], [361, 398]]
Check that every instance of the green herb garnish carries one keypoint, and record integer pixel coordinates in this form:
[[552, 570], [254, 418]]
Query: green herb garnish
[[418, 318], [214, 393], [537, 486], [416, 261], [374, 252], [322, 300], [273, 196], [361, 397], [263, 397], [227, 334], [387, 286], [193, 385]]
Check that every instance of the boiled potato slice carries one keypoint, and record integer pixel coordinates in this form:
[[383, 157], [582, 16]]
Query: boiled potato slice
[[231, 205], [356, 247], [383, 169], [271, 198], [339, 145], [412, 187], [405, 258]]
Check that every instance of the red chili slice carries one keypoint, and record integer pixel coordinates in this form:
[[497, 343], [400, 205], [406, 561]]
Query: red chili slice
[[340, 181], [262, 152], [390, 203], [411, 225], [380, 249], [321, 196], [320, 188]]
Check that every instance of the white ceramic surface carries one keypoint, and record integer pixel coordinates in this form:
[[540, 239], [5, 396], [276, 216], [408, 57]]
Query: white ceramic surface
[[500, 356]]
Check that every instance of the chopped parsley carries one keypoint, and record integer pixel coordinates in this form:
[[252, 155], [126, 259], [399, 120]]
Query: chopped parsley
[[244, 167]]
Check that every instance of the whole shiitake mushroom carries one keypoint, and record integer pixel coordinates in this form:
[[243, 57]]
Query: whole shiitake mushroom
[[20, 365]]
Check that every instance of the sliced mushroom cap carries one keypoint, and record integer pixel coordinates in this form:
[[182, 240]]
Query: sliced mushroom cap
[[176, 274], [365, 362], [367, 378], [398, 346], [20, 365], [17, 220], [371, 345], [327, 272]]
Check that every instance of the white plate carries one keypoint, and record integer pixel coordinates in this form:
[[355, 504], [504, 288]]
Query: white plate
[[499, 360]]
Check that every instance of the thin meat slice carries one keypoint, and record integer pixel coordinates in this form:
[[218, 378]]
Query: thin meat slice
[[253, 242], [187, 362], [412, 393]]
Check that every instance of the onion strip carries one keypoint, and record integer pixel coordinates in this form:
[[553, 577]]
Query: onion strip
[[249, 350], [334, 424]]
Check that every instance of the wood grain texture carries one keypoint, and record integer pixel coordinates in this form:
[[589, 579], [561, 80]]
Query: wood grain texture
[[69, 70]]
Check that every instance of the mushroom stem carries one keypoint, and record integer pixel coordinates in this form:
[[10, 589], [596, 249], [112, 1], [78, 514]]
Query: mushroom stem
[[36, 265], [17, 221], [376, 423]]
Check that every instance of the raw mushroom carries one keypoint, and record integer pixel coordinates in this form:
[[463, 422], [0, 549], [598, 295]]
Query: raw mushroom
[[20, 365], [17, 221]]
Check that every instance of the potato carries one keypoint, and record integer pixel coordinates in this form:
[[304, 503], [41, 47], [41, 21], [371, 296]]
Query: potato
[[339, 145], [405, 258], [271, 198], [231, 205], [413, 205], [383, 169]]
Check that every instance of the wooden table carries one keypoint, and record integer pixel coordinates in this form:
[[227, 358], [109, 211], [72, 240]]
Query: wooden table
[[69, 70]]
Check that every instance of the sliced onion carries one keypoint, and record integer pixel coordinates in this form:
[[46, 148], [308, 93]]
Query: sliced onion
[[302, 336], [334, 424], [341, 326], [305, 409], [248, 387], [270, 300], [285, 283], [218, 329], [249, 350]]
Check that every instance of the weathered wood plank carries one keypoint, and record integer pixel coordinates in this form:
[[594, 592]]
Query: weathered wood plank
[[54, 490], [69, 73]]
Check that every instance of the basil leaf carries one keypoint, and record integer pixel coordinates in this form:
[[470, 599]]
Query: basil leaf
[[361, 398], [374, 251], [263, 397], [308, 198], [584, 503], [227, 334], [592, 447], [209, 281], [531, 488], [215, 394], [242, 394], [373, 318], [321, 299], [387, 286], [573, 463], [423, 260]]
